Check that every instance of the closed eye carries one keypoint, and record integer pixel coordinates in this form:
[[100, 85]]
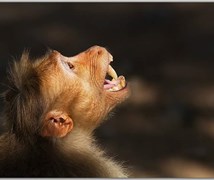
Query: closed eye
[[71, 66]]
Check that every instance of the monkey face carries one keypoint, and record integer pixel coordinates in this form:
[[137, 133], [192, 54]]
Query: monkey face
[[78, 86]]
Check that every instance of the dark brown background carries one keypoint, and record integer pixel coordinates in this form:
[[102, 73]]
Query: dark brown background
[[166, 51]]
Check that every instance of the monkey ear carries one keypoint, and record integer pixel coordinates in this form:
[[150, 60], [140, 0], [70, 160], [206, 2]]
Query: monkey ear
[[56, 124]]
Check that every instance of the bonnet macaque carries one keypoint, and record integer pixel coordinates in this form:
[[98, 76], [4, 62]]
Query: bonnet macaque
[[52, 106]]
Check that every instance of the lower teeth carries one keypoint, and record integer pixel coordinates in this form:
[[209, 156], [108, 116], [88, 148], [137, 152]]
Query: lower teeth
[[120, 85]]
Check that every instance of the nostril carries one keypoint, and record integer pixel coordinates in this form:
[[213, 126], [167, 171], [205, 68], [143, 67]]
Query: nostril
[[95, 50], [99, 52]]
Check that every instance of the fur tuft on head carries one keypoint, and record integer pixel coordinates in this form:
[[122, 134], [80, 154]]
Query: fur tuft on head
[[23, 97]]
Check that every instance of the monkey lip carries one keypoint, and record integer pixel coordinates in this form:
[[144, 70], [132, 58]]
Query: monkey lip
[[117, 83]]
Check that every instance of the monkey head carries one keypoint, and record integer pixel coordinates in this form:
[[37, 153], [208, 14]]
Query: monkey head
[[75, 92]]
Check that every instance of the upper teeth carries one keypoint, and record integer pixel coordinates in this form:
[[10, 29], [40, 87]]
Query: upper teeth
[[111, 72], [120, 84]]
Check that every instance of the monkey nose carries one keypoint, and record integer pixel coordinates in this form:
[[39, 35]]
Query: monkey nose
[[96, 50]]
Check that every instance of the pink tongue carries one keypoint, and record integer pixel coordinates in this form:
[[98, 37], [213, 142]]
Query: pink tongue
[[110, 84]]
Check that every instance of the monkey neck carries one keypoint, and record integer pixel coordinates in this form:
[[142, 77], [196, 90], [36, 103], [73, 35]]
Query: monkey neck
[[78, 137], [76, 150]]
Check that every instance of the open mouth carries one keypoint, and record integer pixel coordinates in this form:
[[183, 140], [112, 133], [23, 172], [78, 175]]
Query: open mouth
[[117, 83]]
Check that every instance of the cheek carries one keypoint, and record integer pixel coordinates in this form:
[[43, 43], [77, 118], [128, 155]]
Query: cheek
[[59, 88], [88, 111], [92, 70]]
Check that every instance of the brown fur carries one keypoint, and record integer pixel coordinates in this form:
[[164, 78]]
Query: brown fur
[[51, 112]]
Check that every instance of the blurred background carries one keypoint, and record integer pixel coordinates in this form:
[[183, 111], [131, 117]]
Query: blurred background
[[166, 52]]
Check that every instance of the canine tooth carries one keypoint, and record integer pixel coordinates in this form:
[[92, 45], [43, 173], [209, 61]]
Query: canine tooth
[[122, 81], [112, 72], [119, 87]]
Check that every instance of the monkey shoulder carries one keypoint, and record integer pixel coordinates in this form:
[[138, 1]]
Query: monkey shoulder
[[58, 159]]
